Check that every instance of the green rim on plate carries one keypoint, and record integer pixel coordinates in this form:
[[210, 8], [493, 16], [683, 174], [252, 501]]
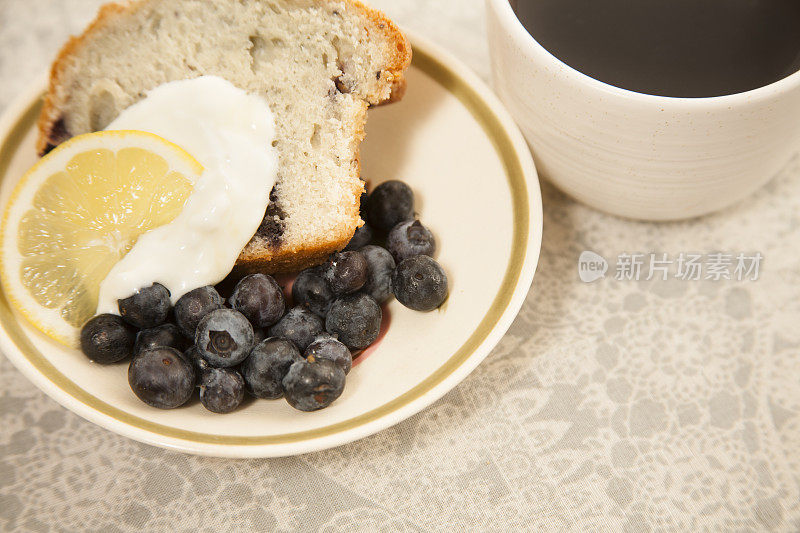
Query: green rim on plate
[[521, 217]]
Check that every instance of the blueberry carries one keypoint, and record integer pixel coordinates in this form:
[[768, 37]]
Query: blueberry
[[200, 364], [193, 306], [346, 272], [224, 338], [107, 339], [327, 347], [221, 390], [325, 336], [146, 308], [299, 325], [379, 275], [362, 237], [267, 365], [419, 283], [410, 238], [355, 319], [310, 386], [260, 299], [311, 291], [259, 334], [389, 204], [161, 377], [163, 335]]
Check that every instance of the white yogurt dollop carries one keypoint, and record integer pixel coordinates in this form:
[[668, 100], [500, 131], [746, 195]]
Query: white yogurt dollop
[[230, 133]]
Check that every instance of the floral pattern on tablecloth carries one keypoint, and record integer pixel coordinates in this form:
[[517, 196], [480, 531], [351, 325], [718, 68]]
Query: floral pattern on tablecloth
[[614, 405]]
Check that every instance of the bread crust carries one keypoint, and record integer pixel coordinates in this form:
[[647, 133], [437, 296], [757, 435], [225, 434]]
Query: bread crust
[[281, 259], [49, 115], [286, 263]]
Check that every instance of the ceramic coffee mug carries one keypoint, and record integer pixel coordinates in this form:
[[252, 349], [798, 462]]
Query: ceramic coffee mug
[[638, 155]]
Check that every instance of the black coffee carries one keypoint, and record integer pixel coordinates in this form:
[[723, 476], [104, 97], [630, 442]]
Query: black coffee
[[687, 48]]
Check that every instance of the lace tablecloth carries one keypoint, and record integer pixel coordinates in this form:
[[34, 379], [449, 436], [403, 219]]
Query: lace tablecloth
[[618, 405]]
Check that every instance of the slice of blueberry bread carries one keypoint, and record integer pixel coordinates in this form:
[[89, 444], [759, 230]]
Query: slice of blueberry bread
[[319, 63]]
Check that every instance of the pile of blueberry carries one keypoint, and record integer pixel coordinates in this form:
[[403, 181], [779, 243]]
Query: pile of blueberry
[[252, 343]]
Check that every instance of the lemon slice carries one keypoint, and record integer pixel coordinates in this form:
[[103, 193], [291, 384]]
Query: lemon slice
[[77, 212]]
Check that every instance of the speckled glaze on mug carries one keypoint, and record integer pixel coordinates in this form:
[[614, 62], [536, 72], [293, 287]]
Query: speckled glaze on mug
[[638, 155]]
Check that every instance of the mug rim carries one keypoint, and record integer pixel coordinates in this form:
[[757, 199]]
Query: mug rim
[[528, 43]]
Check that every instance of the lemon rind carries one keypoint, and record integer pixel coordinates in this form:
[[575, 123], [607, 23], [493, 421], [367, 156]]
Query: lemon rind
[[68, 335]]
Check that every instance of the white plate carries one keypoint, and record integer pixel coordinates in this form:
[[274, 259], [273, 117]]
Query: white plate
[[476, 188]]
